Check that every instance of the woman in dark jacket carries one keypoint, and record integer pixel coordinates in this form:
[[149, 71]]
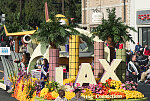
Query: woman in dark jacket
[[44, 72]]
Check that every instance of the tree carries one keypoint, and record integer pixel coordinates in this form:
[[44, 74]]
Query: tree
[[33, 10], [113, 30], [53, 34], [73, 9]]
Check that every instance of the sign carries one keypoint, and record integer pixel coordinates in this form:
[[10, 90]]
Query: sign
[[143, 17], [109, 69], [59, 75], [97, 17], [2, 19], [85, 75], [4, 50], [110, 96]]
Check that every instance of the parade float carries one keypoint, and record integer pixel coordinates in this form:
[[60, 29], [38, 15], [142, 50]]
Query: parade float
[[28, 89], [103, 83]]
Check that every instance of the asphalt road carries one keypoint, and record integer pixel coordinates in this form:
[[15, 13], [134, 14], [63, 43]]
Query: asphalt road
[[4, 96], [1, 69]]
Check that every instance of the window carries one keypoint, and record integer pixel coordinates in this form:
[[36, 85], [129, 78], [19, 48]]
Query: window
[[144, 36]]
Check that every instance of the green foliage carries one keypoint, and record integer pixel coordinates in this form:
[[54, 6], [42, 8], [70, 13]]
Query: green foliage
[[113, 27], [9, 8], [16, 26], [52, 86], [33, 11], [73, 10], [53, 32]]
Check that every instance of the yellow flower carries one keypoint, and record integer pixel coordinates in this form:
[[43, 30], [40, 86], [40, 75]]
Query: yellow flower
[[70, 80], [129, 94], [50, 82], [44, 91], [52, 89], [69, 95], [115, 84], [55, 94]]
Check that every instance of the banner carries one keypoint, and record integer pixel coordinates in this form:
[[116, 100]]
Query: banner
[[4, 50]]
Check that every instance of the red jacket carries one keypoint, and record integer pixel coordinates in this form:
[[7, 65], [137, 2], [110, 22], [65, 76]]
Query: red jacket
[[146, 52]]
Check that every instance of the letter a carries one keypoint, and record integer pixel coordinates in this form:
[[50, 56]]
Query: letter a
[[85, 75]]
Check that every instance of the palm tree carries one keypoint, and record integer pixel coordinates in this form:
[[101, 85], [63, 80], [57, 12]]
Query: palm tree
[[113, 30], [54, 34]]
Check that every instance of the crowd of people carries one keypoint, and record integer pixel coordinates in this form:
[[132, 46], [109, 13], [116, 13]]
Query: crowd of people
[[139, 64]]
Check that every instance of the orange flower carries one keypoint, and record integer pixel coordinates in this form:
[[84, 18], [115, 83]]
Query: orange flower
[[12, 95], [39, 94], [49, 96]]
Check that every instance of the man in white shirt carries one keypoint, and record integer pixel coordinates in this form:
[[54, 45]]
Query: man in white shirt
[[133, 69], [61, 96]]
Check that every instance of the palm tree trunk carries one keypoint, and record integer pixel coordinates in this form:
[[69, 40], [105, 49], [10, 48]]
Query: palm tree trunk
[[16, 45], [111, 44], [53, 62]]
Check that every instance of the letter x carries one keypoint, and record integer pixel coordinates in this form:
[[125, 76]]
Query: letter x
[[109, 69]]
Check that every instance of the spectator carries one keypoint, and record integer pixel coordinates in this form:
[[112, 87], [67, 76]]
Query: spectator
[[149, 60], [20, 43], [61, 96], [137, 47], [14, 44], [145, 74], [23, 48], [23, 64], [78, 96], [11, 45], [141, 59], [146, 51], [44, 72], [133, 69], [129, 56]]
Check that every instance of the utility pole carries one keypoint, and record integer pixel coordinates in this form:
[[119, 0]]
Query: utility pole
[[63, 7], [124, 11]]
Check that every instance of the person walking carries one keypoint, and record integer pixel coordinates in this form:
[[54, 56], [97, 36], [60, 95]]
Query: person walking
[[133, 69]]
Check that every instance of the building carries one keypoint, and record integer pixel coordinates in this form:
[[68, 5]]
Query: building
[[89, 5], [128, 10], [140, 19]]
